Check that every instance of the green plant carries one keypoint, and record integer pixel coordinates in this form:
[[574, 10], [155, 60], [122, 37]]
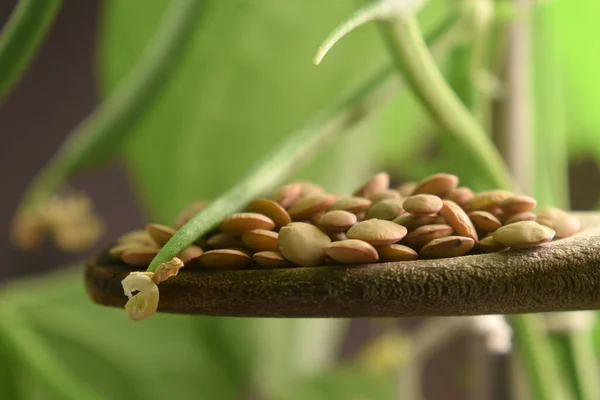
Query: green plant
[[21, 37], [224, 357]]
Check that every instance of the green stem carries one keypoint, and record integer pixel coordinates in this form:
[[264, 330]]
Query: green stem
[[470, 58], [499, 50], [551, 132], [533, 343], [515, 139], [461, 76], [27, 348], [500, 34], [10, 367], [412, 57], [578, 366], [366, 14], [21, 38], [106, 127], [299, 147], [584, 364]]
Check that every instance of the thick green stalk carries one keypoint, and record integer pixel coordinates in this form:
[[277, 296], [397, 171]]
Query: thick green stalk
[[531, 340], [410, 53], [578, 366], [470, 59], [515, 138], [551, 158], [584, 364], [28, 349], [461, 75], [300, 146], [110, 122], [21, 38], [10, 367]]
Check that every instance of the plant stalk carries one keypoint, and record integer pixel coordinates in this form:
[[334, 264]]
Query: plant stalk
[[534, 345], [27, 348], [515, 140], [115, 117], [21, 39], [584, 364], [412, 57]]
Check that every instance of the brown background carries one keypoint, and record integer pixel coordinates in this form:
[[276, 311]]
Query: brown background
[[59, 90], [56, 93]]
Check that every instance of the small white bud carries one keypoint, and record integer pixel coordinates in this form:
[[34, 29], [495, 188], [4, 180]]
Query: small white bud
[[144, 303]]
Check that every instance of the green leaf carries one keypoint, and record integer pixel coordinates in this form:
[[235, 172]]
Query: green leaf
[[21, 37], [551, 134], [168, 355], [9, 373]]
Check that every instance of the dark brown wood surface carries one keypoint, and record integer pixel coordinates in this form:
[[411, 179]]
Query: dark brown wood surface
[[561, 275]]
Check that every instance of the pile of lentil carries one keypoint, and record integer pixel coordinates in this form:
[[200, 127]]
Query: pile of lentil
[[302, 225]]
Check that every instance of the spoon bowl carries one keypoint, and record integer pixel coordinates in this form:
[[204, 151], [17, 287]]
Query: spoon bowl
[[563, 275]]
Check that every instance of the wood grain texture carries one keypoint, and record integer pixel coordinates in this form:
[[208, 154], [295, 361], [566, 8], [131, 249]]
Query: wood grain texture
[[561, 275]]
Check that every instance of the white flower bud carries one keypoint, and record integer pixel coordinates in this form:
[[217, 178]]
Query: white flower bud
[[144, 303]]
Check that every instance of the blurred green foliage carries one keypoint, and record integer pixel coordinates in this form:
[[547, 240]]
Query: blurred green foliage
[[577, 27]]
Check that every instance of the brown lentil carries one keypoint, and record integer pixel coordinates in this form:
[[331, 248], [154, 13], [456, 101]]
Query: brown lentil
[[352, 251], [423, 204]]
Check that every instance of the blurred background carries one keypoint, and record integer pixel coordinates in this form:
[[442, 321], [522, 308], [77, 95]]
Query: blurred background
[[57, 92], [259, 79]]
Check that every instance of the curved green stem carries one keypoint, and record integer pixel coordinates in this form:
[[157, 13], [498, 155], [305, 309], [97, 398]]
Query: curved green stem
[[299, 146], [546, 382], [412, 57], [551, 155], [21, 37], [469, 60], [584, 364], [575, 349], [27, 347], [9, 368], [369, 12], [118, 114]]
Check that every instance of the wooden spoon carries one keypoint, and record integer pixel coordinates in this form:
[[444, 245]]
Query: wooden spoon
[[558, 276]]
